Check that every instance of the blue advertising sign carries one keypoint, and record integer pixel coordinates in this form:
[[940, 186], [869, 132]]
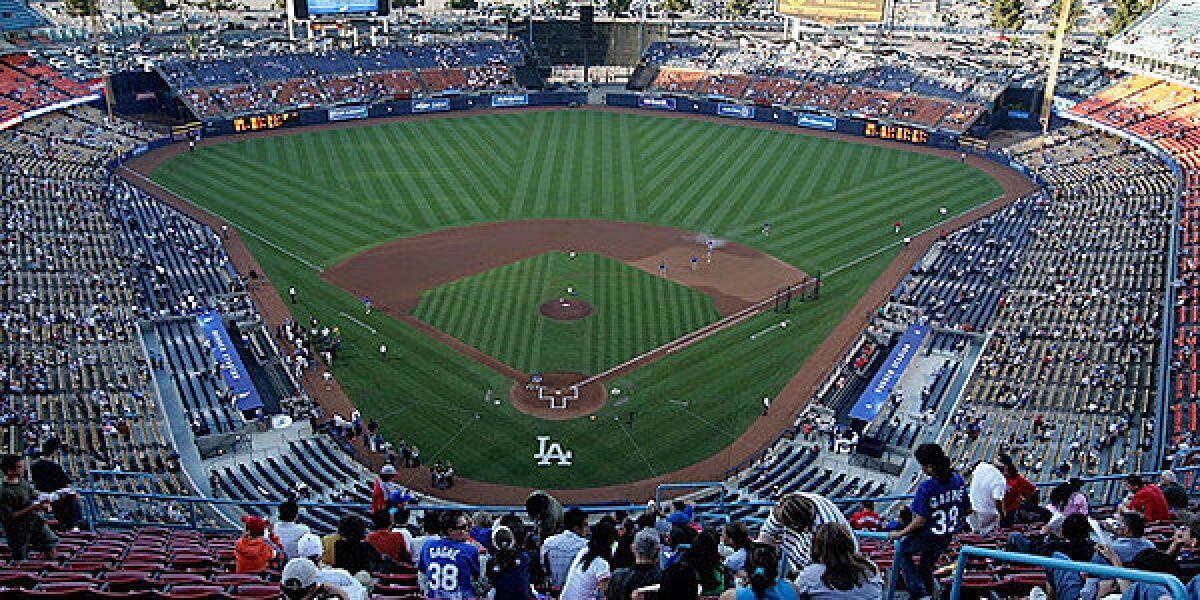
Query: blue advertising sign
[[736, 111], [341, 7], [346, 113], [506, 100], [659, 103], [233, 372], [434, 105], [816, 121], [876, 395]]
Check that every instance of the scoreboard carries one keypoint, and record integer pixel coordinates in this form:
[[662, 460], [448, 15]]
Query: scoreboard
[[899, 133], [834, 11], [263, 122]]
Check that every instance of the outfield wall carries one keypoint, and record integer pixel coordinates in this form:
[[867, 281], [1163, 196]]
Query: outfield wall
[[804, 120], [317, 116]]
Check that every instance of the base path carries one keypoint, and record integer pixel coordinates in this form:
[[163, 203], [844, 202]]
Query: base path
[[784, 407]]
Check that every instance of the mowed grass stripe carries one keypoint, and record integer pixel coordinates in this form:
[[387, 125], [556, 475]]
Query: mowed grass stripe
[[419, 212], [694, 176], [727, 192]]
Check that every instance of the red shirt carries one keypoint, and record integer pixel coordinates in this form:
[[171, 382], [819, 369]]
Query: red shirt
[[1151, 503], [866, 520], [1017, 490], [390, 543]]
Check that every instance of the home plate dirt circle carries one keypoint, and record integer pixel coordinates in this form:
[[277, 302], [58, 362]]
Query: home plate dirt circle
[[565, 309], [535, 399]]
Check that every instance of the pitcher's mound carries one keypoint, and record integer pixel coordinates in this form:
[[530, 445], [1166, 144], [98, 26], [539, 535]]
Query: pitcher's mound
[[565, 309], [536, 398]]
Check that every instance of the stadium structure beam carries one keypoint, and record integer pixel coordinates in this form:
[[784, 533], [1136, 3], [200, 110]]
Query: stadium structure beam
[[1060, 36]]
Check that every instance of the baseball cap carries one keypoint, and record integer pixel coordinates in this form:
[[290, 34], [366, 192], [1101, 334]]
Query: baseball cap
[[309, 545], [387, 470], [254, 524], [299, 574], [677, 518]]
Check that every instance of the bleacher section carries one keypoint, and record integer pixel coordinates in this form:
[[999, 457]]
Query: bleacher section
[[27, 85]]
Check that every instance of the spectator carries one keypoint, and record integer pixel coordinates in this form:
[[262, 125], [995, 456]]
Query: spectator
[[838, 571], [644, 572], [1073, 541], [623, 556], [287, 530], [938, 509], [353, 552], [389, 540], [559, 551], [481, 529], [791, 523], [766, 582], [299, 582], [253, 552], [679, 583], [431, 529], [49, 477], [309, 547], [738, 539], [509, 569], [866, 519], [705, 558], [589, 573], [1130, 530], [1147, 499], [1074, 544], [1065, 500], [1150, 559], [545, 512], [987, 495], [1174, 493], [449, 565], [21, 515], [1019, 494]]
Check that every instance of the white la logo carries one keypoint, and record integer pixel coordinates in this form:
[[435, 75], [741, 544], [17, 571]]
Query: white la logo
[[549, 451]]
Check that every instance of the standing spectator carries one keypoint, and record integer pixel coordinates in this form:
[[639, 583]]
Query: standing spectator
[[309, 547], [791, 523], [1147, 499], [704, 557], [49, 477], [253, 552], [559, 551], [287, 530], [589, 572], [543, 509], [1174, 493], [938, 509], [431, 529], [866, 519], [987, 496], [509, 569], [1019, 493], [390, 541], [449, 565], [21, 515], [838, 571], [644, 572]]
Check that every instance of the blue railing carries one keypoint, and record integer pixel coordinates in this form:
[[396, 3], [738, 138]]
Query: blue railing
[[965, 553]]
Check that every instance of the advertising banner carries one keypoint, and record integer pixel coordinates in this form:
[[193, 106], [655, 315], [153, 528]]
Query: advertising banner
[[434, 105], [506, 100], [735, 111], [659, 103], [816, 122], [233, 372]]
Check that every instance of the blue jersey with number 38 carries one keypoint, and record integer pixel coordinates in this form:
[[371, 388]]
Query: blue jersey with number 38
[[449, 568], [944, 505]]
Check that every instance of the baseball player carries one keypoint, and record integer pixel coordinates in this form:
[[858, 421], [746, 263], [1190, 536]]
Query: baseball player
[[896, 227], [366, 300], [709, 250], [662, 269], [766, 230], [695, 263], [292, 293]]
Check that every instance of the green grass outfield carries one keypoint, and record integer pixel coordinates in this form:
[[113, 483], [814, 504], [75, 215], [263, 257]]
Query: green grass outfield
[[632, 312], [311, 199]]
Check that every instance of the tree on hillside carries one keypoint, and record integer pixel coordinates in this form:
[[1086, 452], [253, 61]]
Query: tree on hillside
[[741, 8], [81, 8], [618, 7], [677, 6], [150, 7], [1124, 13], [1008, 15]]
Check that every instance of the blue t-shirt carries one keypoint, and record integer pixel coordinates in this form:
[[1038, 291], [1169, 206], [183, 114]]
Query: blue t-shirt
[[944, 505], [449, 569], [512, 584]]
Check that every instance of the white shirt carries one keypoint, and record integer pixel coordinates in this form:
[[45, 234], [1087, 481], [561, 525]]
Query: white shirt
[[342, 578], [585, 584], [289, 534], [987, 486]]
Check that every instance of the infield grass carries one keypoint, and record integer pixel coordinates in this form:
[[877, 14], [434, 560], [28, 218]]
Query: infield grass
[[315, 198]]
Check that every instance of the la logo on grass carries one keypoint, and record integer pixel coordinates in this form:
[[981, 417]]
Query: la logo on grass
[[550, 451]]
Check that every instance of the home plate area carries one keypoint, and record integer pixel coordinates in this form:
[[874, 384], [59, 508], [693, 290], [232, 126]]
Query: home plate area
[[555, 396]]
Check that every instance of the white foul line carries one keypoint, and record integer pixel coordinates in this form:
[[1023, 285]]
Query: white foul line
[[364, 325]]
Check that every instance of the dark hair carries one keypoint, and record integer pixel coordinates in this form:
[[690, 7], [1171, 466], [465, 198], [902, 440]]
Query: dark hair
[[599, 545], [9, 462], [507, 544], [932, 456], [450, 519], [1061, 494], [645, 521], [796, 511], [1009, 468], [739, 535], [381, 519], [867, 505], [681, 536], [1135, 481], [762, 563], [845, 569], [705, 557], [678, 583], [537, 504], [289, 510], [352, 528], [1134, 522], [51, 446], [431, 523], [574, 518], [1155, 560], [1076, 528]]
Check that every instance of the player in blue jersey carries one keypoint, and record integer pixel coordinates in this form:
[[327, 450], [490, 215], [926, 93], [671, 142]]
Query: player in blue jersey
[[450, 564], [939, 509]]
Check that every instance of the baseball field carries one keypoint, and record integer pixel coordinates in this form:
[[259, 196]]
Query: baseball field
[[461, 230]]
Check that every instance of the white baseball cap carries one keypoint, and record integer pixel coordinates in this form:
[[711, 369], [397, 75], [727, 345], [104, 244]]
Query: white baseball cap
[[309, 545], [299, 574], [388, 470]]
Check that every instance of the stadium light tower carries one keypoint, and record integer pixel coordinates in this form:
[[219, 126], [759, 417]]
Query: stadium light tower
[[1060, 36]]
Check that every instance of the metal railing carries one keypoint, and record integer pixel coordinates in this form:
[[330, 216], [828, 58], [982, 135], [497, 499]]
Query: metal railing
[[965, 553]]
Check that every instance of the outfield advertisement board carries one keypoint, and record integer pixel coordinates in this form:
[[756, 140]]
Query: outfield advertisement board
[[816, 121], [659, 103], [341, 7], [735, 111], [434, 105], [506, 100], [834, 11], [346, 113]]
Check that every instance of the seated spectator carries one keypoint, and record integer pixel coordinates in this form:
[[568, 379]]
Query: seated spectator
[[449, 565], [353, 552], [1020, 496], [299, 582], [738, 539], [559, 551], [679, 582], [765, 580], [866, 519], [705, 558], [509, 567], [1074, 540], [389, 540], [1146, 499], [1174, 493], [838, 571], [1065, 500], [589, 573], [1150, 559], [1129, 529], [791, 523], [253, 552], [644, 572], [21, 515], [287, 530], [309, 547]]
